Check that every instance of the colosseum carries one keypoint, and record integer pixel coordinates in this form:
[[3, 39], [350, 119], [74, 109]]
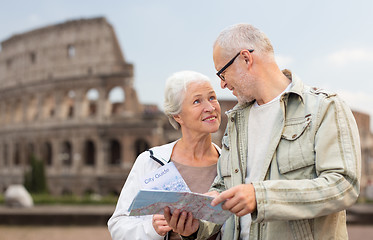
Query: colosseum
[[67, 97]]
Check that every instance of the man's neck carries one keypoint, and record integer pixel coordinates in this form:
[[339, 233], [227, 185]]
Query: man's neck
[[273, 83]]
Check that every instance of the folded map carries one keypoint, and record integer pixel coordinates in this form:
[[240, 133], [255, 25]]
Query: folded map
[[149, 202]]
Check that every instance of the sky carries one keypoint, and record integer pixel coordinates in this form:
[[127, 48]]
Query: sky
[[327, 43]]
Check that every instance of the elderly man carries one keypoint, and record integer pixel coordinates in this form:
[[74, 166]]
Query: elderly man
[[290, 163]]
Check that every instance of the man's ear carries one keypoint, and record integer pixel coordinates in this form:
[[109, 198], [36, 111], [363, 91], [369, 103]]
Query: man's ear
[[247, 57]]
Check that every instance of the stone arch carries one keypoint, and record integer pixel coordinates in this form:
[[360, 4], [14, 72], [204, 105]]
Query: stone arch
[[47, 153], [5, 154], [32, 109], [141, 145], [33, 57], [8, 112], [90, 102], [49, 106], [66, 153], [115, 152], [2, 113], [18, 111], [17, 156], [89, 153], [30, 152], [68, 104], [116, 94], [71, 51], [116, 98]]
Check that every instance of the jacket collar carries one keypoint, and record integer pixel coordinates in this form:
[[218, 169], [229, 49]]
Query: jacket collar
[[296, 88], [296, 84], [164, 152]]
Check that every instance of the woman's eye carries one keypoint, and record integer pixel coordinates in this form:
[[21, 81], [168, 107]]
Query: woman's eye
[[196, 101]]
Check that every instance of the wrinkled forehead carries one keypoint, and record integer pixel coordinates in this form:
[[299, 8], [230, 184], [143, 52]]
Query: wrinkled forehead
[[198, 88]]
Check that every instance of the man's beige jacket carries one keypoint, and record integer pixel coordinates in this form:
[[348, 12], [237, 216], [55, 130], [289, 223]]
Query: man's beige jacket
[[311, 171]]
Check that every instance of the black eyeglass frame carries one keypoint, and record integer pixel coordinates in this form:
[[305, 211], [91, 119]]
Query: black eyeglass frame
[[230, 63]]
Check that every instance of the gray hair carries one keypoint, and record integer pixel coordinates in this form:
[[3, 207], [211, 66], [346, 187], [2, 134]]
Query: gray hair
[[176, 86], [244, 36]]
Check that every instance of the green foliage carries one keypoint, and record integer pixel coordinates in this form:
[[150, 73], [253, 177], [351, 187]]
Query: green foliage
[[35, 180], [46, 199]]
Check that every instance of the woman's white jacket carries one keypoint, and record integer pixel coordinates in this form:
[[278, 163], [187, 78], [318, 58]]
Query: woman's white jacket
[[122, 226]]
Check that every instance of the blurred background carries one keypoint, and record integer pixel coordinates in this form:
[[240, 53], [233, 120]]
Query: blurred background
[[82, 84]]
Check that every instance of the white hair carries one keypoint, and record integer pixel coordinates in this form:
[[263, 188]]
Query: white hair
[[176, 86], [244, 36]]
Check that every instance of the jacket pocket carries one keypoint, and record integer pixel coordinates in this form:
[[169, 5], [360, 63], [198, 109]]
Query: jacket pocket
[[225, 164], [295, 154], [302, 229]]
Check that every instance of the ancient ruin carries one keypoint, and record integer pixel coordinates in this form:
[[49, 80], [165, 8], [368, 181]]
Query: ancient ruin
[[56, 102]]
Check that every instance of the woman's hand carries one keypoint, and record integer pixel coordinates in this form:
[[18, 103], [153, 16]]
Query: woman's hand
[[160, 224], [181, 222]]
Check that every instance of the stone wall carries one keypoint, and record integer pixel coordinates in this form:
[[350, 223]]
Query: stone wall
[[366, 141], [56, 102]]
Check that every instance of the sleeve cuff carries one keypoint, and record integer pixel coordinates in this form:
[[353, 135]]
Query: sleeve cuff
[[151, 231], [258, 215], [191, 237]]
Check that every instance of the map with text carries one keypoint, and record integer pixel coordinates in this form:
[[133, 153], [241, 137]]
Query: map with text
[[148, 202]]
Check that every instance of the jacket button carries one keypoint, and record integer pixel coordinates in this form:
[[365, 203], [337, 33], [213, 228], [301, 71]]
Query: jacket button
[[294, 136], [236, 170], [232, 119]]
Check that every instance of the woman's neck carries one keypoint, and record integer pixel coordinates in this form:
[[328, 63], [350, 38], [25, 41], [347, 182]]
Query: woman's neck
[[195, 151]]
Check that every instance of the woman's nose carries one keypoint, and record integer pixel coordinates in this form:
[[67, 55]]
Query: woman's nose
[[210, 107]]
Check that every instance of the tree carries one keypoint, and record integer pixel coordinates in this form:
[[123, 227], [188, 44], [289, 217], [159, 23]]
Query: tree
[[35, 180]]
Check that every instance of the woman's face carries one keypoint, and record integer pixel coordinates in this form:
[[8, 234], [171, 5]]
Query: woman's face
[[200, 110]]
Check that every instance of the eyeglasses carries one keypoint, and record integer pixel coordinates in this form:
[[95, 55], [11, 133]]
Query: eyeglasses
[[228, 64]]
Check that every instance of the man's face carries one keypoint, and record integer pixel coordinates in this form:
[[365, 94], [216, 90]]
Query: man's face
[[236, 75]]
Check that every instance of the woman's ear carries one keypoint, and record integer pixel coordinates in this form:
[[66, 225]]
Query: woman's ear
[[177, 118]]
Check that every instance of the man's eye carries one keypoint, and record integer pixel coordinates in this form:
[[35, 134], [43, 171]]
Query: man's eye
[[212, 98]]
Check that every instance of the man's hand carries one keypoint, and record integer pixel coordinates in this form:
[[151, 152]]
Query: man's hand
[[212, 194], [183, 223], [160, 225], [239, 199]]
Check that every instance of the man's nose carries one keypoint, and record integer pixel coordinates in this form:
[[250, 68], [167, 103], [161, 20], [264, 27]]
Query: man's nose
[[223, 84]]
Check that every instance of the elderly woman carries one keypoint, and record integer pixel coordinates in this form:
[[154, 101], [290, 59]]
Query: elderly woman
[[191, 105]]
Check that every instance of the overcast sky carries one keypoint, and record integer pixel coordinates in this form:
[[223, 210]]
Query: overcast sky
[[328, 44]]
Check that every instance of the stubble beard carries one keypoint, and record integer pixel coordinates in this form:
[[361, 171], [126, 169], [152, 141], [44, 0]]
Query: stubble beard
[[244, 92]]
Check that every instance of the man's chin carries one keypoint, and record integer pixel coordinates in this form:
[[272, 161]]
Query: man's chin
[[243, 99]]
